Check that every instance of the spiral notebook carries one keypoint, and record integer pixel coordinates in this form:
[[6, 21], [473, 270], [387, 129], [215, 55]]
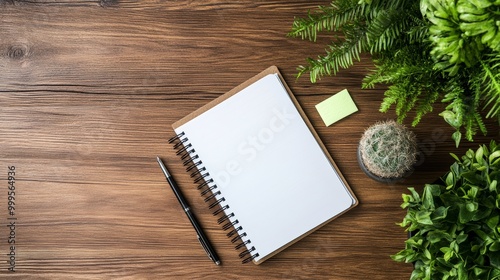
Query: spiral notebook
[[261, 166]]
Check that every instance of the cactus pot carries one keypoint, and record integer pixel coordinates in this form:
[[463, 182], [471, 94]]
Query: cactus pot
[[387, 151], [378, 178]]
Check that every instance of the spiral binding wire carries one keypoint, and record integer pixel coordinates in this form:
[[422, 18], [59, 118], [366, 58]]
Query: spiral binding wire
[[210, 192]]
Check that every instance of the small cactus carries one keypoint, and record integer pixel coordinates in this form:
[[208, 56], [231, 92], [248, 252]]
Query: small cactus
[[388, 149]]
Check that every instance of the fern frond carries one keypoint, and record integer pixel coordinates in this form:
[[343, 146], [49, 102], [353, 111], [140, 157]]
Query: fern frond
[[480, 123], [372, 26], [425, 104], [491, 82], [388, 26], [463, 110], [327, 18], [474, 120], [340, 54], [405, 70], [418, 33], [406, 95]]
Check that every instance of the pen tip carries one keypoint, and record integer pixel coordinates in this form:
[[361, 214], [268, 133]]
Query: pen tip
[[217, 262]]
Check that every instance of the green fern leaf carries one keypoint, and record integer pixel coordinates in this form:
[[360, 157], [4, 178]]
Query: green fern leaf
[[339, 55], [491, 80], [327, 18]]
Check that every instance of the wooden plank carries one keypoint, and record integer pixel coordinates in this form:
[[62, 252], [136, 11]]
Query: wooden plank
[[88, 93]]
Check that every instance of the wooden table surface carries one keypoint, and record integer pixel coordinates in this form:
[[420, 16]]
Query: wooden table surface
[[89, 90]]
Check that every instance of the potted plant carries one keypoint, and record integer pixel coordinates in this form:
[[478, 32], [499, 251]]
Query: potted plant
[[426, 51], [387, 151], [456, 222]]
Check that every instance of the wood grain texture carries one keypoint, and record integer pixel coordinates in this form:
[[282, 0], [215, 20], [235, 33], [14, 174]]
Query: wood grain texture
[[88, 92]]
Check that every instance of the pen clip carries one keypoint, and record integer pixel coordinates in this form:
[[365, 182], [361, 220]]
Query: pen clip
[[205, 247]]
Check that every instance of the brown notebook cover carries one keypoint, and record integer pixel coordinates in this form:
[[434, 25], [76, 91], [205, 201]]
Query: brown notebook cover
[[256, 155]]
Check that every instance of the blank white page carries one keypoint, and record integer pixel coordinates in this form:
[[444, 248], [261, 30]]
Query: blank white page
[[267, 165]]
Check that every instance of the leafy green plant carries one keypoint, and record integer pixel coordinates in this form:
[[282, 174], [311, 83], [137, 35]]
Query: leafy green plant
[[455, 224], [426, 51], [388, 149]]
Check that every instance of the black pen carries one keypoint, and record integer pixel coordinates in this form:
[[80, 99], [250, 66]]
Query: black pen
[[199, 232]]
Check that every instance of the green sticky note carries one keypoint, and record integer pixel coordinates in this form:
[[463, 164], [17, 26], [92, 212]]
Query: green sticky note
[[336, 107]]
